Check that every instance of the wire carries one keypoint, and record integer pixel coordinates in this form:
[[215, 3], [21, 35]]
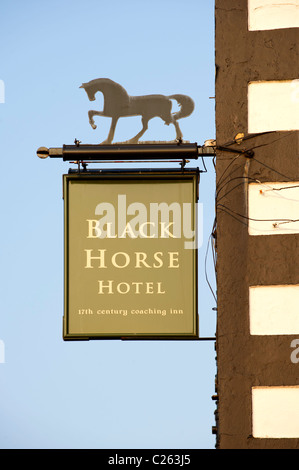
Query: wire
[[281, 189], [257, 181], [213, 252], [232, 189], [273, 169], [288, 222], [225, 182], [236, 178], [213, 239], [248, 137], [234, 217], [213, 161], [212, 234], [225, 179], [205, 168], [269, 188], [243, 152], [277, 195], [246, 224], [257, 220], [272, 142], [232, 161], [206, 274]]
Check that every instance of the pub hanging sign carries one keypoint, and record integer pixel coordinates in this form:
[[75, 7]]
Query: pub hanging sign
[[131, 255]]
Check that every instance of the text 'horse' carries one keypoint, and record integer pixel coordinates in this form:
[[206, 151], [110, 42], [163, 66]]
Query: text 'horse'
[[117, 104]]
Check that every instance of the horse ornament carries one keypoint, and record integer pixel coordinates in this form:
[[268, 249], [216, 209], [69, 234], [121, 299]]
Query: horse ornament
[[117, 104]]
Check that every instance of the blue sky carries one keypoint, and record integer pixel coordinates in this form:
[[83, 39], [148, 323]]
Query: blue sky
[[96, 394]]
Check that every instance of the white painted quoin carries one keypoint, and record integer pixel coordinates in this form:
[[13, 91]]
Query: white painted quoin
[[273, 208], [275, 412], [272, 14], [273, 106], [273, 310]]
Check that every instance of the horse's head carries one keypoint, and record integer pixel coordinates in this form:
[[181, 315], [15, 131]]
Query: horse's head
[[89, 90]]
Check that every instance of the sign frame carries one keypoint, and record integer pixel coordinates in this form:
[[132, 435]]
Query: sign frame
[[185, 174]]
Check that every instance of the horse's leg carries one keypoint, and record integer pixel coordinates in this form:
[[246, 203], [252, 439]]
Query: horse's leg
[[168, 118], [135, 139], [179, 134], [92, 113], [111, 131]]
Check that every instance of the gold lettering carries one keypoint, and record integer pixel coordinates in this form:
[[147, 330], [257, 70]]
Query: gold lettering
[[137, 284], [94, 230], [122, 259], [149, 287], [127, 287], [164, 230], [102, 286], [141, 230], [108, 287], [159, 291], [101, 258], [127, 259], [156, 258], [172, 259], [109, 234], [140, 258], [128, 229]]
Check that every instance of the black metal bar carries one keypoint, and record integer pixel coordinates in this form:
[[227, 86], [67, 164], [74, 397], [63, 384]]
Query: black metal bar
[[129, 152], [174, 338], [125, 152], [139, 171]]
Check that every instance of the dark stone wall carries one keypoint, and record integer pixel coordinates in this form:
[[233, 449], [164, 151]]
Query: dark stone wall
[[243, 360]]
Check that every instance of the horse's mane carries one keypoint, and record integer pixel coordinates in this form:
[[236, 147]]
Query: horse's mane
[[106, 85]]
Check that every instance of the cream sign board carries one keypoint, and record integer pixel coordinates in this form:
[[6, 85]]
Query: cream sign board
[[131, 255]]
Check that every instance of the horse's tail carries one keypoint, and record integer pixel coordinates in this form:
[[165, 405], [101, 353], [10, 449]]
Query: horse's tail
[[186, 106]]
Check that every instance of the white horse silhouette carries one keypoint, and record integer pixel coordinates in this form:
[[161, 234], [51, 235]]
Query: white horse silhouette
[[117, 103]]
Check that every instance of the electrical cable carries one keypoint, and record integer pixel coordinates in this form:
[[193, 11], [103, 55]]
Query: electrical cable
[[243, 152], [232, 161], [232, 189], [281, 189], [248, 137], [269, 188], [205, 168], [206, 274], [234, 217], [213, 161], [273, 169], [214, 234], [279, 196], [272, 142], [225, 179], [246, 223], [236, 178], [257, 220], [242, 177]]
